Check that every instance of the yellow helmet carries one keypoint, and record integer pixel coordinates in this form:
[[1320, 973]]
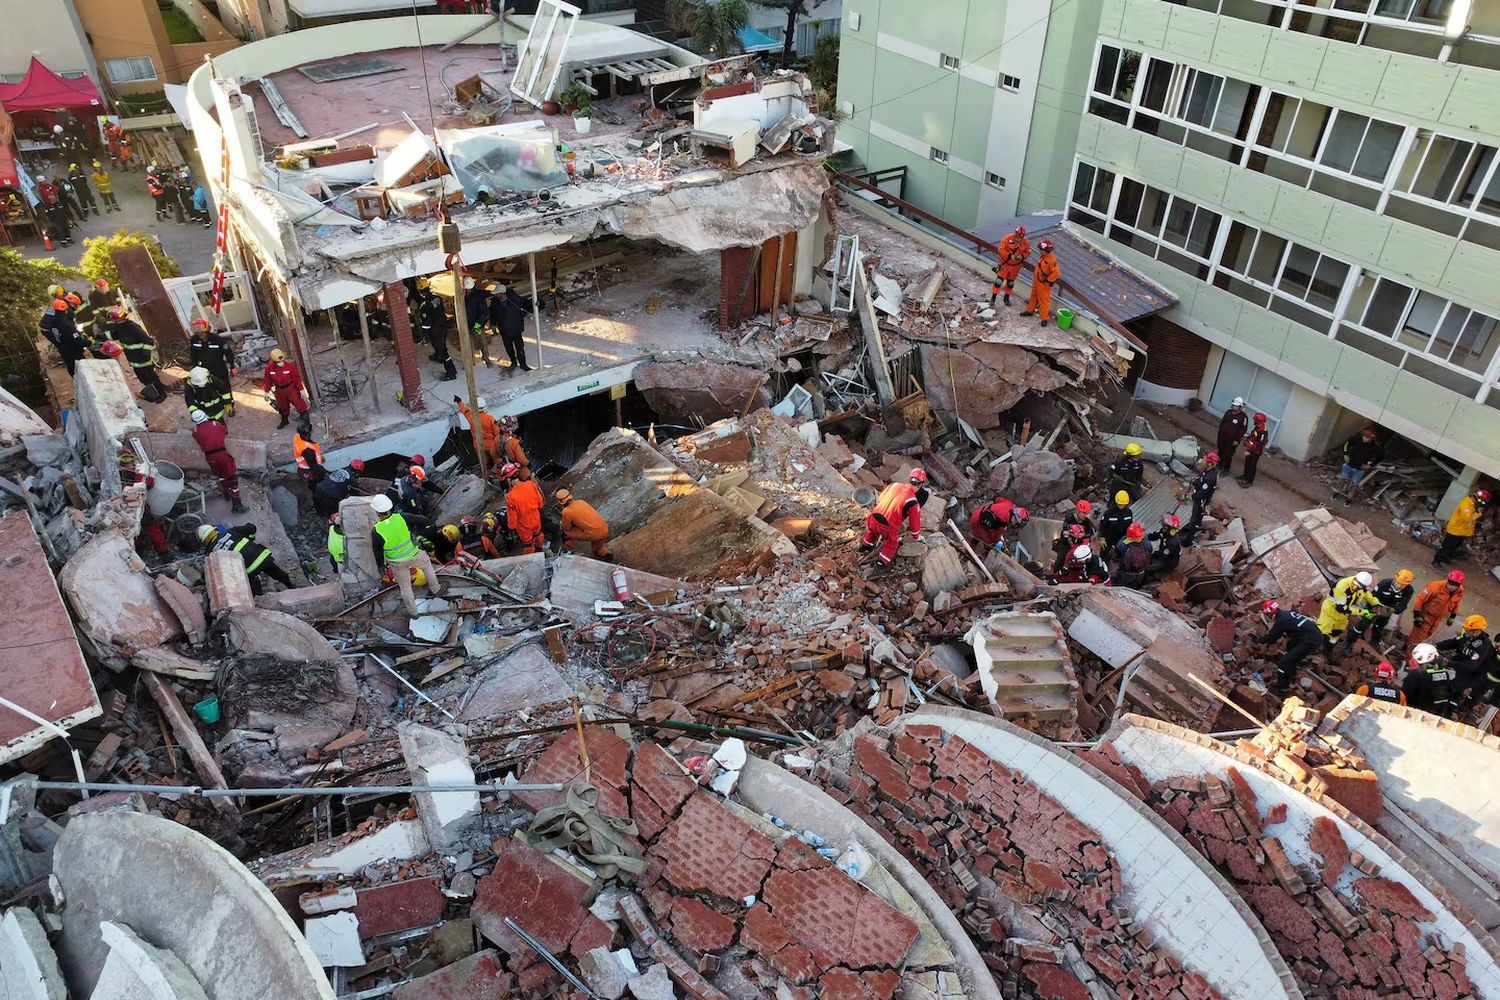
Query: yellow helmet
[[1133, 450], [277, 354], [450, 532], [1476, 622], [1403, 577], [1122, 498]]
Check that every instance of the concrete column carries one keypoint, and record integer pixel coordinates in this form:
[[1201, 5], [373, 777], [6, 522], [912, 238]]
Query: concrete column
[[106, 410], [406, 349], [359, 574], [1457, 490]]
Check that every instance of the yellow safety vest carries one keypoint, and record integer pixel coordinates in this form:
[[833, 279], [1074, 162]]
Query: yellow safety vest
[[336, 546], [394, 532]]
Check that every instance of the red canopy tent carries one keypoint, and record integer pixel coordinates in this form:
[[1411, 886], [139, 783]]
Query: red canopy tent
[[42, 90], [9, 178]]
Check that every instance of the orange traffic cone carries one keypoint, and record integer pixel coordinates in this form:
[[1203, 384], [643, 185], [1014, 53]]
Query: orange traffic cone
[[46, 239]]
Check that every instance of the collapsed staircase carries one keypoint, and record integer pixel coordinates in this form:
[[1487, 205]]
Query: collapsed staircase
[[1024, 667]]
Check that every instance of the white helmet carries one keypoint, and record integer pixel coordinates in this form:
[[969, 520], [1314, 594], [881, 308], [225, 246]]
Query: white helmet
[[1364, 579], [381, 504], [198, 377], [1239, 401], [207, 533], [479, 402], [1082, 553], [1424, 653], [199, 417]]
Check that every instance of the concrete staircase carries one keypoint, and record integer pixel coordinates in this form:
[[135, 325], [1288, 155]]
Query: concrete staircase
[[1024, 666]]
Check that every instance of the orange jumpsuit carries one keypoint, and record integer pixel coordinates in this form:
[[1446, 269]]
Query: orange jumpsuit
[[1013, 251], [489, 431], [897, 502], [523, 511], [1431, 609], [582, 523], [515, 453], [1043, 278]]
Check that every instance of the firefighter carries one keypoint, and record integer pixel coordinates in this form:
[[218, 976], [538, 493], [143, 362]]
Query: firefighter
[[1203, 490], [208, 350], [510, 443], [1304, 638], [378, 319], [523, 505], [81, 190], [489, 430], [1488, 691], [140, 353], [432, 325], [1255, 446], [1232, 427], [406, 492], [1168, 553], [61, 330], [241, 539], [472, 540], [396, 549], [990, 525], [282, 384], [1429, 681], [1126, 472], [1351, 596], [1438, 603], [212, 436], [1010, 254], [101, 297], [1043, 277], [898, 502], [1133, 558], [203, 394], [508, 312], [1394, 594], [158, 189], [1083, 565], [336, 487], [1471, 654], [444, 543], [1383, 687], [477, 311], [1461, 526], [1116, 521], [1067, 539], [307, 453], [582, 523], [106, 187]]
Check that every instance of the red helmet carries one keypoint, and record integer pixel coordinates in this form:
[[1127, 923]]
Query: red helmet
[[73, 300], [1269, 608], [1083, 507], [357, 465], [918, 476], [1212, 458], [418, 473], [101, 284], [417, 460], [200, 324], [1172, 521], [1457, 576], [1018, 515], [509, 470], [116, 313], [334, 518], [1135, 532], [1260, 419], [61, 305], [467, 521], [1385, 671], [1481, 497], [1020, 230], [111, 349], [1045, 246], [1076, 531]]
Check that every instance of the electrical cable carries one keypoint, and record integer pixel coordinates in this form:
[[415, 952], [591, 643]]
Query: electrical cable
[[422, 54]]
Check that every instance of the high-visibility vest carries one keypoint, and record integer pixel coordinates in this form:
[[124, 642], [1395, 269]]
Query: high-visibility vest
[[258, 553], [301, 444], [336, 546], [396, 534]]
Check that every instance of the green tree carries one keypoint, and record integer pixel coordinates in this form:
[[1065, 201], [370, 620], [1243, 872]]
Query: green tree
[[23, 296], [713, 26], [823, 64], [98, 255], [794, 9]]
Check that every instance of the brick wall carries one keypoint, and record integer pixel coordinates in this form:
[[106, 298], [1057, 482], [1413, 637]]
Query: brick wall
[[406, 350], [1176, 358]]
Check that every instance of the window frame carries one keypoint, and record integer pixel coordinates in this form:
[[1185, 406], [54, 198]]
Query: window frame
[[109, 71]]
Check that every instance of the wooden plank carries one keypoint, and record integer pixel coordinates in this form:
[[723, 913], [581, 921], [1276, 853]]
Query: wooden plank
[[187, 736], [138, 277]]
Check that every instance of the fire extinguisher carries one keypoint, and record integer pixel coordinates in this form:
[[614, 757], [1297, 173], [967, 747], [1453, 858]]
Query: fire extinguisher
[[621, 585]]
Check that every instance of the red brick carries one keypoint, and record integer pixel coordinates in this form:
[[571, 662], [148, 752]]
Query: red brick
[[1221, 634], [793, 854], [1276, 814], [1045, 879], [1384, 894], [398, 906], [545, 900], [1280, 913], [834, 915], [709, 849], [657, 773], [764, 933], [836, 683], [886, 774], [1054, 983], [1326, 840], [478, 977], [882, 984], [700, 928], [843, 984], [608, 757]]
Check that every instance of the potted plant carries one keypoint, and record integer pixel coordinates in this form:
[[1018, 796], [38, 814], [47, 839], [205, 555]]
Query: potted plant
[[580, 104]]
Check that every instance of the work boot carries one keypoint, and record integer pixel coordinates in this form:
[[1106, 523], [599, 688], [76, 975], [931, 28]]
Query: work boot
[[284, 422], [447, 378], [1028, 312], [1044, 322], [1007, 299], [238, 506]]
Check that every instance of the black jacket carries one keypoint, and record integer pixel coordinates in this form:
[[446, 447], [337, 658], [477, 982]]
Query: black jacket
[[1361, 453], [1291, 623], [136, 343], [214, 353], [509, 312], [1430, 690], [1168, 553], [1127, 468], [1470, 656], [1393, 597], [61, 331], [1115, 522], [1205, 486]]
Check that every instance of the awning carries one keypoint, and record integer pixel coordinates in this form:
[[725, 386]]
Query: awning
[[41, 90], [754, 40], [9, 178]]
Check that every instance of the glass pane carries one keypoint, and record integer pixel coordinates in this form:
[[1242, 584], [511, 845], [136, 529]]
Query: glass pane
[[1268, 253], [1475, 177], [1107, 109], [1422, 322], [1104, 183], [1237, 247], [1308, 130], [1383, 313], [1394, 8], [1109, 62], [1276, 124], [1449, 330], [1128, 208], [1201, 238], [1343, 141], [1328, 281], [1378, 150], [1158, 81], [1083, 184], [1476, 345], [1201, 98], [1452, 168], [1153, 211], [1179, 221], [1297, 275]]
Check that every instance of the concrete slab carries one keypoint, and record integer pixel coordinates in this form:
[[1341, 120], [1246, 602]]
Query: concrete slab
[[579, 581], [51, 680], [398, 841], [322, 599], [359, 573], [1294, 571], [138, 970], [213, 914], [181, 450], [1332, 544], [326, 712], [105, 407], [478, 977], [17, 419], [28, 966], [527, 575], [335, 940], [435, 758], [186, 604], [113, 598], [227, 582], [524, 679]]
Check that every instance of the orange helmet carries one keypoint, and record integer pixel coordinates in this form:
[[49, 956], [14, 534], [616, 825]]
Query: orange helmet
[[73, 299], [60, 304], [200, 325]]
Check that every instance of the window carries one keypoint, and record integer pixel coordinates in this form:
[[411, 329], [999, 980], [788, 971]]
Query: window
[[1114, 83], [1182, 105], [994, 180], [947, 61], [940, 155], [1425, 323], [1334, 152], [1290, 279], [1451, 171], [1090, 202], [76, 75], [1173, 230], [131, 69], [1011, 83]]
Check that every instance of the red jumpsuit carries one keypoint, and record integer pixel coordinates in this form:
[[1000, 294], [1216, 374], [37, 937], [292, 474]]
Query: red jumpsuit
[[897, 502], [283, 378], [211, 436], [523, 505], [987, 537], [1011, 254]]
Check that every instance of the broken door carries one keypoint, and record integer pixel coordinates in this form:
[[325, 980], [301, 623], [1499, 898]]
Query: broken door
[[748, 277]]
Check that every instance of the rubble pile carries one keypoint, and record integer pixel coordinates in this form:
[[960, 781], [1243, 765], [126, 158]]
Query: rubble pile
[[1343, 929], [1037, 890]]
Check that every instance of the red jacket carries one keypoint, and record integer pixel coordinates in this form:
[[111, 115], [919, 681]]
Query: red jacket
[[896, 502], [211, 435], [1255, 441], [1002, 508], [280, 375]]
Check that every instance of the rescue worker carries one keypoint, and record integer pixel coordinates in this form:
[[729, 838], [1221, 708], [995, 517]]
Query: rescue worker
[[523, 505], [336, 487], [1232, 427], [1429, 681], [582, 523], [445, 543], [1461, 526], [212, 436], [307, 453], [473, 541], [489, 430], [81, 190], [432, 325], [1255, 446], [510, 443], [69, 199], [158, 189], [106, 187], [1304, 638], [1126, 472], [206, 349], [151, 529], [1471, 654], [101, 297], [1383, 687], [990, 525], [406, 492], [1362, 453], [1043, 277], [1083, 565], [1349, 596], [202, 394], [396, 548], [140, 353], [241, 539], [1168, 553], [282, 384], [336, 540], [1488, 691], [1437, 604], [1394, 594], [1203, 490], [1132, 558], [898, 502], [477, 311], [61, 330], [508, 312], [1067, 539], [127, 153], [1116, 521], [1011, 253]]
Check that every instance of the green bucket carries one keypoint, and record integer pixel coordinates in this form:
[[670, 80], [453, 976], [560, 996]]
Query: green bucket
[[207, 710], [1065, 319]]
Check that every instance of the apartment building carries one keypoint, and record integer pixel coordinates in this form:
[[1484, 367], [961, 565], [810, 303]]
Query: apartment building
[[980, 100], [1320, 189]]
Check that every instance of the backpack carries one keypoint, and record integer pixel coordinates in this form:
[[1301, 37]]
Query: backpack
[[1134, 560]]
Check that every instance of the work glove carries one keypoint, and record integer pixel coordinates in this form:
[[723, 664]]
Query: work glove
[[1452, 618], [1417, 619], [270, 397], [457, 400]]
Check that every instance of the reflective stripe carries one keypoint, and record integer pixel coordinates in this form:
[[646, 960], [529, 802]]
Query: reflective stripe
[[251, 565], [396, 535]]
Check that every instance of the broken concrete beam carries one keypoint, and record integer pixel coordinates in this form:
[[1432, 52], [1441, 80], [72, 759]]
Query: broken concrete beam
[[579, 581], [1151, 449], [1294, 571], [187, 735], [435, 758], [523, 680], [680, 391], [1024, 666], [359, 572], [167, 661], [604, 973], [724, 442], [1328, 540], [106, 410], [323, 599], [335, 940], [227, 582], [179, 448], [138, 970], [28, 966], [399, 841], [186, 604], [928, 293], [113, 598]]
